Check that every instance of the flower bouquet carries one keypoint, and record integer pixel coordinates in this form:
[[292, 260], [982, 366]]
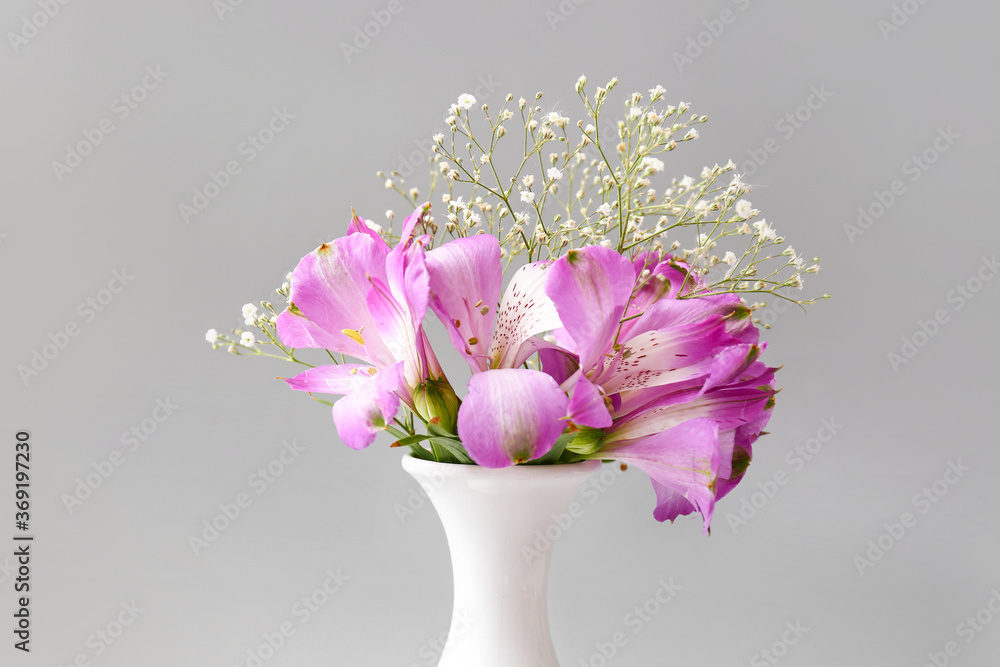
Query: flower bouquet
[[621, 332], [611, 341]]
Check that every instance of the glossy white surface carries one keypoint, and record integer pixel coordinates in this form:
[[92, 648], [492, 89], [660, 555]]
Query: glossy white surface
[[496, 521]]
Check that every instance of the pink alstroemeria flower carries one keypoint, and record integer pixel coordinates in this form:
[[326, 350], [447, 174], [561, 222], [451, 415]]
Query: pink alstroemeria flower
[[511, 414], [358, 297], [673, 384]]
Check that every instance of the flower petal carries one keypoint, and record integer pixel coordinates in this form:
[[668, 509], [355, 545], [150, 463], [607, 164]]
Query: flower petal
[[465, 278], [364, 412], [665, 355], [330, 286], [359, 225], [412, 219], [525, 311], [590, 288], [730, 406], [587, 407], [332, 379], [684, 459], [511, 415], [296, 330]]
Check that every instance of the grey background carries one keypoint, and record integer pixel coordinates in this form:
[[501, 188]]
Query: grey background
[[333, 508]]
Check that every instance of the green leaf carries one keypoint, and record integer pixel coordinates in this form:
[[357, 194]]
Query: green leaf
[[438, 432], [587, 441], [450, 451], [555, 454]]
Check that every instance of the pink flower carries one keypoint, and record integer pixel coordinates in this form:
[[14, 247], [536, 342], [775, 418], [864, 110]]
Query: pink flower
[[358, 297]]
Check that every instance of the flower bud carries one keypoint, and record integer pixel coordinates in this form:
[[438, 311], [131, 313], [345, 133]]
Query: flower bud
[[436, 400]]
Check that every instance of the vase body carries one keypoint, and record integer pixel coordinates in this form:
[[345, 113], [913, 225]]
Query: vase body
[[495, 521]]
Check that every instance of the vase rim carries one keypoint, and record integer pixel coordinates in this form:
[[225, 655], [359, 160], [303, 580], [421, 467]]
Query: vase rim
[[414, 465]]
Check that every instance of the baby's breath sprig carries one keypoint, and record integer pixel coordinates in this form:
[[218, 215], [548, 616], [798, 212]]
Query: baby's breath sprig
[[241, 342], [593, 182]]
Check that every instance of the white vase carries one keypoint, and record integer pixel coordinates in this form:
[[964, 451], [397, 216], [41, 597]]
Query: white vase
[[496, 523]]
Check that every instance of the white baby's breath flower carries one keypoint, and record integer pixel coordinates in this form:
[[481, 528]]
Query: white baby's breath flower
[[765, 230], [744, 209], [656, 93], [692, 134], [466, 101], [247, 339], [634, 111], [554, 173], [528, 180], [474, 219], [686, 182], [249, 313], [388, 184], [653, 164], [438, 138], [605, 210], [729, 258], [527, 196], [212, 336]]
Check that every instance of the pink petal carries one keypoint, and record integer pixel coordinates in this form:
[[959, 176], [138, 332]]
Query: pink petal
[[364, 412], [587, 407], [511, 416], [332, 379], [298, 331], [525, 311], [730, 406], [666, 355], [359, 225], [684, 459], [465, 277], [412, 220], [330, 286], [590, 288]]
